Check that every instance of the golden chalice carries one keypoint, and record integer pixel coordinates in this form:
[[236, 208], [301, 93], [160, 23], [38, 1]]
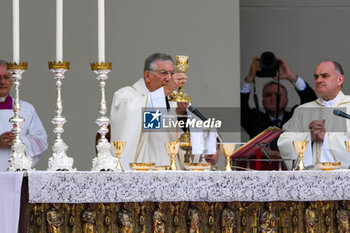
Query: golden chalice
[[186, 145], [181, 67], [228, 149], [300, 148], [118, 148], [172, 148]]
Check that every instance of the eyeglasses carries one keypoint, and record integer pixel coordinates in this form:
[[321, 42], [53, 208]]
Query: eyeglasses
[[5, 77], [164, 73]]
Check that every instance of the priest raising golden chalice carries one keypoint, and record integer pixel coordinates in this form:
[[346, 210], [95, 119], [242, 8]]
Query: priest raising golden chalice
[[148, 97]]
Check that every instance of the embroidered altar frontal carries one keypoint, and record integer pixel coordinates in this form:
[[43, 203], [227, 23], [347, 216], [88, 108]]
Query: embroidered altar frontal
[[181, 201]]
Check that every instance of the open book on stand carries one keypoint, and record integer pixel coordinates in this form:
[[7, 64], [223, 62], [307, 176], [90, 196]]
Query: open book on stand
[[262, 139]]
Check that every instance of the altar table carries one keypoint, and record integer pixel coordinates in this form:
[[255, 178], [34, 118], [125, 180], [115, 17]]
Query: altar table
[[189, 201]]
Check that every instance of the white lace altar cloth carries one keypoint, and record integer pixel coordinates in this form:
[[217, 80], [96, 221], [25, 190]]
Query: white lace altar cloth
[[219, 186]]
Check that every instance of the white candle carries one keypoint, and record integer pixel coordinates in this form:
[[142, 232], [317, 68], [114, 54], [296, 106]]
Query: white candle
[[59, 30], [15, 24], [101, 30]]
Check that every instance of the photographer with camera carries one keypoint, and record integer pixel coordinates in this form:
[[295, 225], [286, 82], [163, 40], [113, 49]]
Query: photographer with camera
[[252, 119]]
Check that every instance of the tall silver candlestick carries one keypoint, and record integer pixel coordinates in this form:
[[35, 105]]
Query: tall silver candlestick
[[105, 159], [18, 161], [59, 161]]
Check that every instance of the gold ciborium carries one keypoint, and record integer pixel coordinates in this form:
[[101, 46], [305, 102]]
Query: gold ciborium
[[181, 67], [118, 148], [300, 148], [185, 144], [228, 149], [172, 147]]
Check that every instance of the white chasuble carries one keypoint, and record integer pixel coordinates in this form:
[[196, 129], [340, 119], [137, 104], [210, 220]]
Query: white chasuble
[[332, 148], [127, 124], [33, 133]]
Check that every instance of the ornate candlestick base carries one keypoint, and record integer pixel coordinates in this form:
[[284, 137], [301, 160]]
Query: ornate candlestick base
[[59, 161], [105, 159], [18, 161]]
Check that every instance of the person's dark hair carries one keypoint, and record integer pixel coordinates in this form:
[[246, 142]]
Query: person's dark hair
[[275, 83], [150, 60], [338, 67]]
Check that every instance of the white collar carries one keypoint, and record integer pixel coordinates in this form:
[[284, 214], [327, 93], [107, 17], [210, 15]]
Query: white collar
[[329, 103], [143, 81], [274, 118], [2, 99]]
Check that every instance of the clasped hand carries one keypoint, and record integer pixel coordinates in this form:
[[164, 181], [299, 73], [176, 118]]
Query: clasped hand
[[317, 130]]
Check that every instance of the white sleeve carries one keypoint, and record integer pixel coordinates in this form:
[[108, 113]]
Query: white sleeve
[[300, 84], [245, 87], [293, 132], [336, 148], [35, 137]]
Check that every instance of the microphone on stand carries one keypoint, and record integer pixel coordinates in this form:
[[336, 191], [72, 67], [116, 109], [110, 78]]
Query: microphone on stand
[[195, 111], [337, 112]]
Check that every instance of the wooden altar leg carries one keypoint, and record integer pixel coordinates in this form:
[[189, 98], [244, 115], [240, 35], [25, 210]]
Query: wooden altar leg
[[22, 225]]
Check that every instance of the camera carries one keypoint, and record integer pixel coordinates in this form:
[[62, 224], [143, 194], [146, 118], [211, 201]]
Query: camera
[[269, 65]]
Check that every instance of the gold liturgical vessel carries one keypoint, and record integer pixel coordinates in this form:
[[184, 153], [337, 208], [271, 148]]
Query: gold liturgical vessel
[[300, 148], [347, 145], [172, 148], [118, 148], [228, 149], [185, 144], [181, 66]]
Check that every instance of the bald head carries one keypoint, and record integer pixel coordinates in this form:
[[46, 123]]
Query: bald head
[[329, 77]]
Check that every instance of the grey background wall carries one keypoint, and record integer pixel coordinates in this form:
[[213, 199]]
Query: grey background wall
[[302, 33], [207, 31]]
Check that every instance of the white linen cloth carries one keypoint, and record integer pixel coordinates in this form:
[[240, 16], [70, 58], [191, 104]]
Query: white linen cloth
[[10, 200], [33, 134], [170, 186]]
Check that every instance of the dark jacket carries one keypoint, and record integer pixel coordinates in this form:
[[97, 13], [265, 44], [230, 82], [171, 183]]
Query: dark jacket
[[253, 126]]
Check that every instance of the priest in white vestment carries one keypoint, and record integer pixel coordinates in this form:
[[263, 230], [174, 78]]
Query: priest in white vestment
[[33, 134], [315, 122], [149, 93]]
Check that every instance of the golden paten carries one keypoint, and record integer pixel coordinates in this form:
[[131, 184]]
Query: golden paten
[[15, 66], [197, 166], [142, 166], [59, 65], [329, 166], [161, 168], [101, 66]]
